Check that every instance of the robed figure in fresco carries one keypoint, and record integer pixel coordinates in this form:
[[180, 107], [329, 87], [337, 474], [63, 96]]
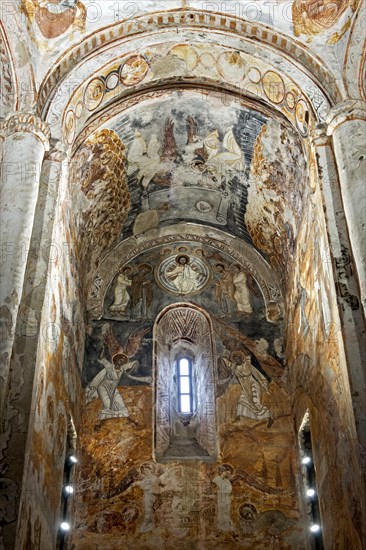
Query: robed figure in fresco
[[224, 490], [104, 384], [184, 277], [121, 295], [252, 383], [241, 291]]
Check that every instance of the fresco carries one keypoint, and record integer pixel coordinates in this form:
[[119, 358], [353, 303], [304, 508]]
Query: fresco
[[51, 20], [157, 278], [312, 18], [98, 186], [317, 368], [177, 152], [248, 494], [236, 68], [274, 211]]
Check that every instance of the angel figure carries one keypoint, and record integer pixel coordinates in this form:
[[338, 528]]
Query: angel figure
[[224, 287], [153, 161], [232, 156], [104, 384], [252, 384]]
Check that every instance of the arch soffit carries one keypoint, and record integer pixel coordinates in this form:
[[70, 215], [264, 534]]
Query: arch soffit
[[354, 68], [114, 110], [239, 250], [78, 65], [17, 68]]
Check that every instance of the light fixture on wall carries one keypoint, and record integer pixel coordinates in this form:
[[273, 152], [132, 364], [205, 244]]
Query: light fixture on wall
[[71, 460], [306, 460], [65, 526], [311, 493], [68, 490], [315, 528]]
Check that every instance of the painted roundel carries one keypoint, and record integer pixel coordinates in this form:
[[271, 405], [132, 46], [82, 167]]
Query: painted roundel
[[183, 274], [134, 70], [70, 126], [273, 87], [231, 66], [112, 80], [93, 93], [301, 112]]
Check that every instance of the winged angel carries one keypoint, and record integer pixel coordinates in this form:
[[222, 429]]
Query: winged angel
[[153, 161], [104, 384]]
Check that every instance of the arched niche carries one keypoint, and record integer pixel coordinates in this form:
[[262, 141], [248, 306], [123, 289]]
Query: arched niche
[[184, 330]]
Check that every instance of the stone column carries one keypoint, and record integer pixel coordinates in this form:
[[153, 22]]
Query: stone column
[[347, 126], [24, 378], [346, 280], [25, 140]]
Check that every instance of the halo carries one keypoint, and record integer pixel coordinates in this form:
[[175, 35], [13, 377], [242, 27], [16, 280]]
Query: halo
[[182, 256], [119, 356], [225, 468], [238, 352]]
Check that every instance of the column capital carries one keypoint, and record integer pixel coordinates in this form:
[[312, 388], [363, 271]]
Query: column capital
[[28, 123], [59, 150], [319, 136], [350, 109]]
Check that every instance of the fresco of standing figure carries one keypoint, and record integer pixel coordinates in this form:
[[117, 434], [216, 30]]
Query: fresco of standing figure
[[241, 291]]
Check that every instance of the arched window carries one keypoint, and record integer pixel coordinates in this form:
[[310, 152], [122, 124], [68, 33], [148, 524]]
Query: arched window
[[185, 414], [185, 386]]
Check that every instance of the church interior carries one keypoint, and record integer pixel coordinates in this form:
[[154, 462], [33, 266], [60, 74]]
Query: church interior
[[183, 275]]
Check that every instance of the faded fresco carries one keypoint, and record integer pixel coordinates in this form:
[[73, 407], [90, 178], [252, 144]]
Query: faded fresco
[[179, 150], [57, 325], [99, 188], [50, 20], [168, 479], [317, 374], [184, 192]]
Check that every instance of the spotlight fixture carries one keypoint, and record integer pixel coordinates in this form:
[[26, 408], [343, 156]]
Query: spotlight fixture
[[68, 490], [311, 493], [71, 460], [306, 460], [315, 528], [64, 526]]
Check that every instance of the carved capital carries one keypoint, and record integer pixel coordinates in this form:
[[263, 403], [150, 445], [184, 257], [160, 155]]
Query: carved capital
[[58, 151], [28, 123], [319, 136], [351, 109]]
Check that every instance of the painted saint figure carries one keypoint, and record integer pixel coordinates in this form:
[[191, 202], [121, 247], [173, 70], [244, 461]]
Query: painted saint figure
[[224, 490], [121, 295], [147, 481], [184, 277], [224, 288], [252, 384], [142, 291], [104, 384], [241, 291]]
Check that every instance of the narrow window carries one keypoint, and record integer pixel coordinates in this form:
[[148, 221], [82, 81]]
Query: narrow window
[[185, 385]]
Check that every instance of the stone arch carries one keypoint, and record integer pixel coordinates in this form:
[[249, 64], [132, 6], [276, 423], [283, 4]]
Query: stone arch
[[63, 89]]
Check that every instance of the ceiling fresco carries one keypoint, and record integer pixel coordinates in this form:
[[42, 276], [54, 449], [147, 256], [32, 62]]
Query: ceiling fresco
[[315, 24], [193, 158], [186, 162]]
